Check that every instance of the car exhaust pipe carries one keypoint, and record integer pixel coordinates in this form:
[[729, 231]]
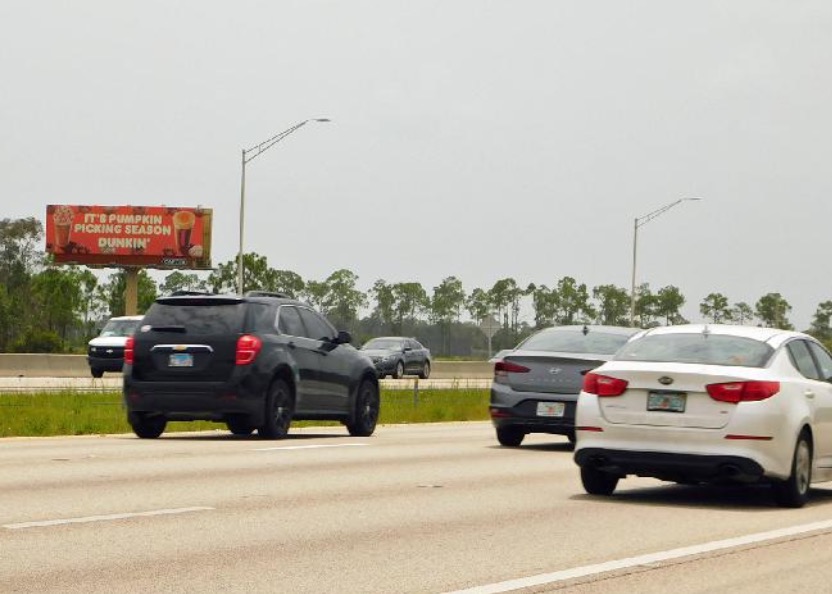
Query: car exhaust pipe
[[729, 471]]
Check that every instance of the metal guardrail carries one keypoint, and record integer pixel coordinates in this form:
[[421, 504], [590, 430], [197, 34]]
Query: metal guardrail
[[114, 383]]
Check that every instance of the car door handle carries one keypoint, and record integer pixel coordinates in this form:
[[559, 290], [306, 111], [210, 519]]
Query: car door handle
[[809, 394]]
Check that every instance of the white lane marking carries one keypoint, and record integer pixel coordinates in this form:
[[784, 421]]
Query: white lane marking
[[588, 570], [311, 447], [105, 518]]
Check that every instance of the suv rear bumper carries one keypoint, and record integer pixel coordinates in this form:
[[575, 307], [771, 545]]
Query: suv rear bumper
[[193, 401], [105, 363]]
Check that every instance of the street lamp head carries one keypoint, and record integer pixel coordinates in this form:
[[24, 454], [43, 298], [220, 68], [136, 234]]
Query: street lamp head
[[328, 120]]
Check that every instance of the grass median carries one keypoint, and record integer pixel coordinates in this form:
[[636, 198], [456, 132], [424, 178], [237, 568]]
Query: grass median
[[42, 414]]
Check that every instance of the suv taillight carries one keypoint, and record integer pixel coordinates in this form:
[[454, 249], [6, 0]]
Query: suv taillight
[[742, 391], [603, 385], [128, 350], [247, 348]]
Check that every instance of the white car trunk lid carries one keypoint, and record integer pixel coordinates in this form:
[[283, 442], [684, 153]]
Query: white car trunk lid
[[670, 395]]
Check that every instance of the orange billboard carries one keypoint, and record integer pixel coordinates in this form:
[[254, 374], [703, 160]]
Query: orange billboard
[[112, 236]]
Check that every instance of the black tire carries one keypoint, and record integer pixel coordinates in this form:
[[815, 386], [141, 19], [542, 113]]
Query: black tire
[[510, 436], [147, 426], [425, 373], [598, 482], [96, 372], [240, 426], [279, 410], [367, 406], [794, 491], [398, 373]]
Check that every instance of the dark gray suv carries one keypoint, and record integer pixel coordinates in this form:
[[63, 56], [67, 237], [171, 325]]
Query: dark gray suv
[[253, 362]]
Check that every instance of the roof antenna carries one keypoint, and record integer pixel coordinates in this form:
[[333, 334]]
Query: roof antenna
[[585, 330]]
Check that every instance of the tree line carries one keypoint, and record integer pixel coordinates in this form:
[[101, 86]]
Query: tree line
[[48, 308]]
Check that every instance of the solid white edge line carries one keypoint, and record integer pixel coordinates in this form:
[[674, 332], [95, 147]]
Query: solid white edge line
[[311, 447], [587, 570], [105, 518]]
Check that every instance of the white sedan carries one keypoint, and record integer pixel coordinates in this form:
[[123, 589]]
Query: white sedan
[[710, 404]]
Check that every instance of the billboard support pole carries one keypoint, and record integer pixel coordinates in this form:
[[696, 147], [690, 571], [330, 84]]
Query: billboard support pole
[[131, 291]]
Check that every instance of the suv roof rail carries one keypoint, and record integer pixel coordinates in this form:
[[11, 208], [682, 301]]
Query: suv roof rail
[[267, 294]]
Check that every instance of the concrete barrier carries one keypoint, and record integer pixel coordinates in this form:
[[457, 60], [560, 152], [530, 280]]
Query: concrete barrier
[[38, 365]]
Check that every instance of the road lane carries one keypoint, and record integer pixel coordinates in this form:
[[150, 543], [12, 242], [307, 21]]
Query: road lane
[[422, 508]]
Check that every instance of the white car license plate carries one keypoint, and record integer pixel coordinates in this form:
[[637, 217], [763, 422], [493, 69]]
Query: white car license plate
[[181, 360], [666, 401], [550, 409]]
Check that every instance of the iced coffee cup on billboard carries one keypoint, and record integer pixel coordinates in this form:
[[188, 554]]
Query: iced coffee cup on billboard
[[62, 217], [183, 225]]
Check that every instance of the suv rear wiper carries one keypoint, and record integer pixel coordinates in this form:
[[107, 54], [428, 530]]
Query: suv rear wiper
[[168, 329]]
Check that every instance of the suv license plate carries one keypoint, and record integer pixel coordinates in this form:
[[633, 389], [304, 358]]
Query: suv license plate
[[550, 409], [181, 360], [666, 401]]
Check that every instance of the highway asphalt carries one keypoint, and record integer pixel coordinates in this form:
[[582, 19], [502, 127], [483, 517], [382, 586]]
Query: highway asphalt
[[413, 509]]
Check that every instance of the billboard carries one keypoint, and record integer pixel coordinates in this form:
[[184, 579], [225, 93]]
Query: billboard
[[113, 236]]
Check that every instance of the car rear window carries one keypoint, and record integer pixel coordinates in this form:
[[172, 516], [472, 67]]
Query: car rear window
[[601, 343], [225, 318], [705, 349]]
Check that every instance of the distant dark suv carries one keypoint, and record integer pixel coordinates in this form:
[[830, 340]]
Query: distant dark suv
[[254, 362]]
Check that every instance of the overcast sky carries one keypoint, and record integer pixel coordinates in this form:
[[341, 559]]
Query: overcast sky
[[475, 138]]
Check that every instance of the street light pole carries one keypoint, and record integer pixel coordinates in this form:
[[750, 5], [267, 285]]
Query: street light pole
[[640, 222], [249, 155]]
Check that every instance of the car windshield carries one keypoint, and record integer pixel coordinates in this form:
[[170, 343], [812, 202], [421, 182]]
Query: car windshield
[[575, 341], [119, 328], [702, 348], [382, 344]]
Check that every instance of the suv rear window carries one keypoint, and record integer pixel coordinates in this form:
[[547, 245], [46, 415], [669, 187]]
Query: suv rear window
[[214, 318], [705, 349]]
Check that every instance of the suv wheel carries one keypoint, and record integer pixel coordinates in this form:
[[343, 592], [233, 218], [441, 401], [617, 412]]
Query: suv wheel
[[146, 426], [239, 426], [366, 410], [279, 409], [425, 371], [96, 372], [510, 436], [398, 373]]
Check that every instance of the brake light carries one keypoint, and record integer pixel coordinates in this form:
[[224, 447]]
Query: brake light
[[750, 391], [248, 347], [603, 385], [503, 368], [128, 350]]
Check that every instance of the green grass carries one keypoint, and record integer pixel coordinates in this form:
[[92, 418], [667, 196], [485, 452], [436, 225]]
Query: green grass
[[43, 414]]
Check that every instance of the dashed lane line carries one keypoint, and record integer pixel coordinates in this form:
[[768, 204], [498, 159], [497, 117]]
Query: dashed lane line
[[105, 518]]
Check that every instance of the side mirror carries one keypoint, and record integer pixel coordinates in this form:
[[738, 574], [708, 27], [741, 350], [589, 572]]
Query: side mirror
[[343, 337]]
